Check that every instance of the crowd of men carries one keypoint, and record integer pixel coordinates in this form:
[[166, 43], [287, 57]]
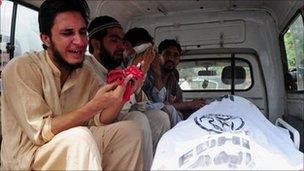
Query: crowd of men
[[60, 113]]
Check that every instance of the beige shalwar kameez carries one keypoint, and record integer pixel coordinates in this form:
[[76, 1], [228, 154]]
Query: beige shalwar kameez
[[32, 95]]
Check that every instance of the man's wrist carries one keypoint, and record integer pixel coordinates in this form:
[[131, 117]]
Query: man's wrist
[[137, 92]]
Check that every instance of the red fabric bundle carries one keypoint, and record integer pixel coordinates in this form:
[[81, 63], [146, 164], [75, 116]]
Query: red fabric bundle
[[120, 75]]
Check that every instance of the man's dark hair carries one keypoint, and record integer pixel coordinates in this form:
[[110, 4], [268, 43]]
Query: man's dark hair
[[101, 22], [51, 8], [167, 43], [138, 35]]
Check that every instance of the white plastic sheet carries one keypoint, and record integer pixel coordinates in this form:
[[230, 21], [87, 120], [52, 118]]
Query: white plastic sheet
[[229, 133]]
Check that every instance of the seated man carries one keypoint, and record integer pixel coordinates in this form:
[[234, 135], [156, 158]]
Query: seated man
[[54, 114], [106, 45], [134, 39], [229, 133], [161, 84]]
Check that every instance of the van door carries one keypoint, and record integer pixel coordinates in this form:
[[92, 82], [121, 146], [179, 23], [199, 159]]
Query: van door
[[292, 40]]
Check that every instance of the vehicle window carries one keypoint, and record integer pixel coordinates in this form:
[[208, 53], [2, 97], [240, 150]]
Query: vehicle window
[[5, 30], [27, 31], [214, 74], [294, 43]]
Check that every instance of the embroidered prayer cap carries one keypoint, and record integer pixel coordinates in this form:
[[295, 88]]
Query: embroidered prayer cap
[[101, 23]]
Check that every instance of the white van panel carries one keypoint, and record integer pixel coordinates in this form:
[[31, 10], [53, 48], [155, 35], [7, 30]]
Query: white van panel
[[208, 33]]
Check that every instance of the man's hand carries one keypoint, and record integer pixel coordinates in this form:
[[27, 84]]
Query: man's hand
[[105, 97], [137, 84], [148, 56], [155, 67], [197, 103], [109, 94], [159, 82]]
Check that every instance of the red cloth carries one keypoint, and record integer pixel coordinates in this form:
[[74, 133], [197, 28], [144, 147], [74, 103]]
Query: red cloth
[[120, 75]]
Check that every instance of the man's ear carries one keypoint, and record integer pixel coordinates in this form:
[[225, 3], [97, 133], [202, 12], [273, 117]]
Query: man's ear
[[96, 45], [46, 40]]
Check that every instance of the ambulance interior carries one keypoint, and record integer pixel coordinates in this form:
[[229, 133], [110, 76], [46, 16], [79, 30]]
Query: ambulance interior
[[252, 49]]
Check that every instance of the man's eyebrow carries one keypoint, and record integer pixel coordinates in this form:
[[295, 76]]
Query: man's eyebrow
[[66, 29], [173, 52], [115, 36], [71, 29]]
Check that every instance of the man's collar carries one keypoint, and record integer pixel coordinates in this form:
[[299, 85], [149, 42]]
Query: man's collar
[[54, 68]]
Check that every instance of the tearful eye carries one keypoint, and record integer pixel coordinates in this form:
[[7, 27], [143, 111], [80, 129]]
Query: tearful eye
[[67, 33], [83, 32]]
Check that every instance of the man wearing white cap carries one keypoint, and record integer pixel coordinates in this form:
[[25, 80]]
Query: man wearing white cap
[[106, 44]]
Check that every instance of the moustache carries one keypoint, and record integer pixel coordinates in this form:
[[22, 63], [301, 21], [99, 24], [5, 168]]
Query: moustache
[[169, 62], [119, 52]]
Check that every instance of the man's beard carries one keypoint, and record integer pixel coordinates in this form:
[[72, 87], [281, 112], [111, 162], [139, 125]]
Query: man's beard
[[107, 60], [61, 62]]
